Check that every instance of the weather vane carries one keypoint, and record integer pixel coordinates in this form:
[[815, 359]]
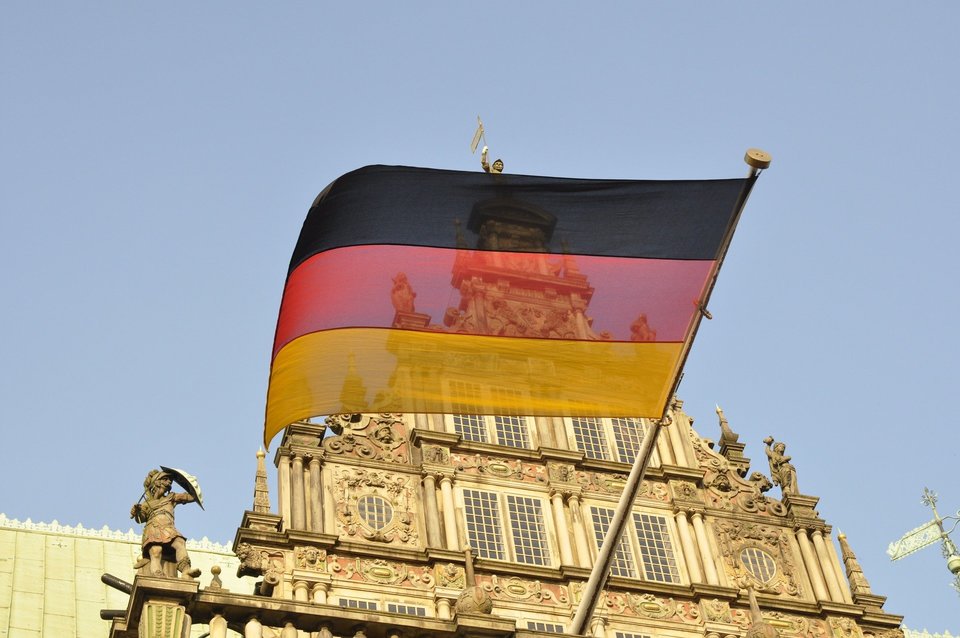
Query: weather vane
[[497, 167], [928, 534]]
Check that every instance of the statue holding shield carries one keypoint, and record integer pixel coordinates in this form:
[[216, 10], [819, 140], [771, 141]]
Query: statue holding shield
[[163, 545]]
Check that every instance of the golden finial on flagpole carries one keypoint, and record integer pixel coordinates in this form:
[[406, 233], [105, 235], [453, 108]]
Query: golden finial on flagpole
[[497, 166]]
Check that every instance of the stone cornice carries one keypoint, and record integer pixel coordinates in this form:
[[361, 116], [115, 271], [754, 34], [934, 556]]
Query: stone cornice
[[694, 474], [557, 454], [419, 437]]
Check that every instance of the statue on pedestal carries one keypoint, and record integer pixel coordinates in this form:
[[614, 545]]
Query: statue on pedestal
[[782, 470], [164, 547]]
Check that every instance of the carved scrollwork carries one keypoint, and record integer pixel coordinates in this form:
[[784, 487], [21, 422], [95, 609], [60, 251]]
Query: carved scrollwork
[[376, 506], [450, 575], [519, 589], [716, 610], [381, 437], [758, 556], [503, 468], [845, 628], [311, 558], [613, 484]]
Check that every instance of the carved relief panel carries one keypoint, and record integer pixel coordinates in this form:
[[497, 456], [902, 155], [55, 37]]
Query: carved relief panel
[[758, 556], [379, 437], [376, 506]]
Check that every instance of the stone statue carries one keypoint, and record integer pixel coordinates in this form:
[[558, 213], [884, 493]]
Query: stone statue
[[640, 330], [497, 166], [402, 294], [160, 537], [782, 470]]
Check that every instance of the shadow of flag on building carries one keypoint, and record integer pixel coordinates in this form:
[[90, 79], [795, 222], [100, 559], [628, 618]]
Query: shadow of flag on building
[[433, 291]]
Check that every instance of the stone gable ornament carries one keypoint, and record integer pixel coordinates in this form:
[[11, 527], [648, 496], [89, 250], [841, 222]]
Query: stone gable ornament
[[782, 470], [163, 546]]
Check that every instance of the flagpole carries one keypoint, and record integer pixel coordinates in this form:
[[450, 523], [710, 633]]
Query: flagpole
[[757, 160]]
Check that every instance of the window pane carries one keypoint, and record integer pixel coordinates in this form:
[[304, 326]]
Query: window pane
[[759, 563], [512, 431], [590, 437], [622, 564], [546, 627], [483, 523], [471, 427], [655, 548], [526, 523], [629, 435], [375, 511]]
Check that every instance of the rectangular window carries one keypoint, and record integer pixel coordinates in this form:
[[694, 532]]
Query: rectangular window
[[511, 431], [546, 627], [659, 563], [483, 523], [410, 610], [628, 433], [591, 439], [621, 634], [471, 427], [529, 535], [622, 564], [352, 603]]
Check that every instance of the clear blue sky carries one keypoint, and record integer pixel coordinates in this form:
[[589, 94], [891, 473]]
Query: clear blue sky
[[158, 159]]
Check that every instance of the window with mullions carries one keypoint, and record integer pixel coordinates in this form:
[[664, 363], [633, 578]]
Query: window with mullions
[[506, 429], [622, 634], [410, 610], [353, 603], [593, 435], [622, 563], [546, 627], [651, 543], [485, 533]]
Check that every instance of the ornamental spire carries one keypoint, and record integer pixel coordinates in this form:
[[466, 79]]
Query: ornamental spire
[[858, 582], [261, 493]]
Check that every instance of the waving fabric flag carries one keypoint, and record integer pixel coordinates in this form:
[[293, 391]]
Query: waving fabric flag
[[418, 290]]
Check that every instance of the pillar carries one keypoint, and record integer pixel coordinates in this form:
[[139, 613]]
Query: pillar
[[431, 510], [253, 628], [449, 515], [283, 487], [218, 626], [320, 593], [289, 631], [316, 512], [443, 609], [689, 552], [703, 543], [298, 504], [579, 532], [676, 441], [563, 532], [828, 572], [300, 591], [813, 567]]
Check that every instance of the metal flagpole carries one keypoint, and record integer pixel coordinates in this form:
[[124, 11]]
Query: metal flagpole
[[757, 160]]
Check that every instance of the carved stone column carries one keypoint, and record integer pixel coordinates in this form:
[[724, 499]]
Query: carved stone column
[[663, 449], [163, 619], [689, 553], [298, 504], [449, 514], [579, 531], [703, 543], [253, 628], [563, 532], [838, 568], [431, 510], [218, 626], [676, 440], [316, 512], [836, 594], [443, 609], [598, 626], [283, 487], [300, 591], [289, 631], [320, 593], [813, 565]]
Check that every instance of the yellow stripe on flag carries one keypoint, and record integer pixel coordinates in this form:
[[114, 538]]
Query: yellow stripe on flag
[[386, 370]]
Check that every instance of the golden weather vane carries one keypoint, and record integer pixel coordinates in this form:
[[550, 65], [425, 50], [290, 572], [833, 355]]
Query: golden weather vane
[[497, 166]]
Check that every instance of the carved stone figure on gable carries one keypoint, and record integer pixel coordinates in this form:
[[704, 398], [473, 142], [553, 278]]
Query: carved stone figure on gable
[[162, 542], [402, 294], [782, 470]]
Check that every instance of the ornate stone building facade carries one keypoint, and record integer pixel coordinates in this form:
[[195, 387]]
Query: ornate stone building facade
[[459, 524]]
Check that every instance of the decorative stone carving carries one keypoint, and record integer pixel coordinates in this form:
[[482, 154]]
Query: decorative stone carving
[[474, 600], [716, 610], [259, 562], [561, 472], [614, 483], [525, 590], [738, 538], [163, 546], [788, 626], [402, 295], [380, 571], [845, 628], [504, 468], [436, 454], [395, 521], [652, 606], [311, 558], [450, 575], [685, 491], [782, 470], [381, 437]]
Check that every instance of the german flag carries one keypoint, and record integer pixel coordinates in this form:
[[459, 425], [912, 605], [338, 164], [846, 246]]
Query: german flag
[[429, 291]]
